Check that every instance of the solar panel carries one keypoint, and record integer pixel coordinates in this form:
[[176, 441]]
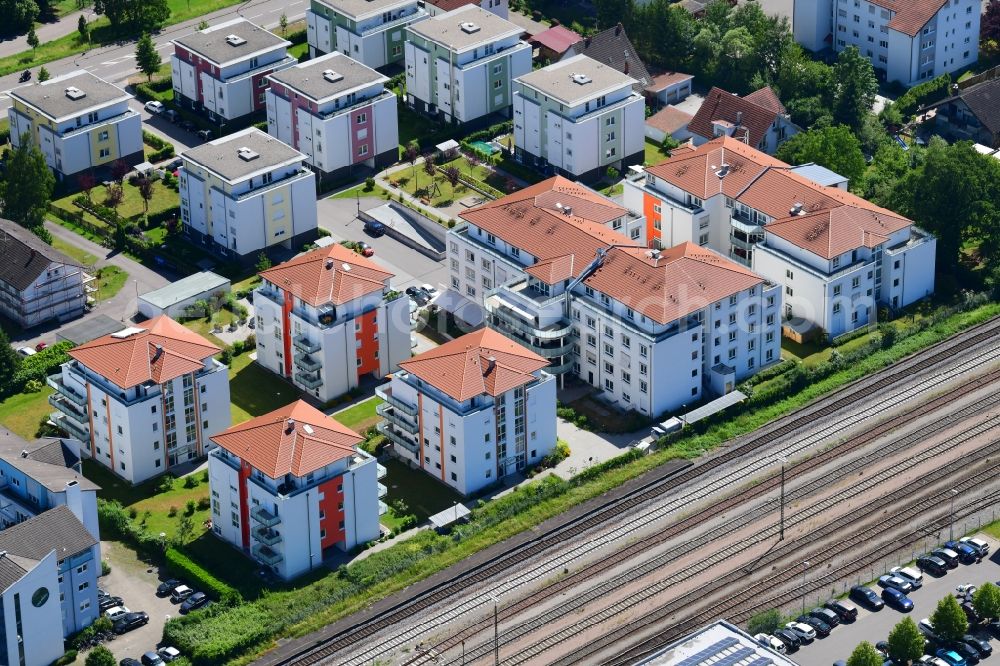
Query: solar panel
[[736, 657], [712, 650]]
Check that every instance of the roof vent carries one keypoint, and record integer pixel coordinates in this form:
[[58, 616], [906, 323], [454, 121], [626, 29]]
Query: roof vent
[[332, 76], [653, 254], [308, 428], [75, 93], [345, 267], [289, 426], [469, 27], [235, 40], [581, 79], [721, 171], [796, 209], [247, 155], [329, 263], [567, 210]]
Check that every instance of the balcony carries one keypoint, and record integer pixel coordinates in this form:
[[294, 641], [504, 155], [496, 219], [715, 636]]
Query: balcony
[[382, 490], [57, 383], [307, 363], [741, 243], [382, 508], [266, 554], [397, 418], [399, 438], [385, 392], [264, 517], [71, 428], [544, 352], [303, 344], [308, 379], [265, 535], [380, 472], [503, 316]]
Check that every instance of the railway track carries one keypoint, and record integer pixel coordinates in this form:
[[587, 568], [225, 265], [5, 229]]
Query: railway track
[[316, 651]]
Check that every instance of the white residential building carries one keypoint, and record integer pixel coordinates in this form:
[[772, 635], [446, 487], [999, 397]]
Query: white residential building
[[291, 486], [908, 42], [223, 69], [144, 399], [80, 123], [328, 318], [472, 411], [437, 7], [653, 330], [577, 117], [370, 31], [338, 113], [37, 282], [460, 65], [246, 192], [835, 255]]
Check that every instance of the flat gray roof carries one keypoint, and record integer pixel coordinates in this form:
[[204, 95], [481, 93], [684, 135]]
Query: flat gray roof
[[308, 79], [556, 80], [90, 329], [222, 157], [185, 288], [211, 43], [447, 28], [51, 98], [361, 8]]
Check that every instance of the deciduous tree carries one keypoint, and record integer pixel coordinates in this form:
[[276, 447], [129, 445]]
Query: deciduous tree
[[9, 362], [100, 656], [43, 75], [986, 601], [32, 38], [865, 655], [27, 187], [18, 16], [834, 147], [906, 643], [147, 58], [855, 87], [949, 619], [989, 24], [145, 185], [82, 28]]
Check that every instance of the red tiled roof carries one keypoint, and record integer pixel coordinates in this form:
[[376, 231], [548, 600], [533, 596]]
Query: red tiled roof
[[911, 15], [557, 38], [530, 220], [667, 79], [831, 233], [156, 351], [767, 98], [682, 280], [295, 439], [669, 119], [481, 362], [692, 170], [721, 105], [332, 274]]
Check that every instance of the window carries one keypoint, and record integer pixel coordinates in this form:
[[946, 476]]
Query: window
[[591, 340], [105, 152], [361, 118], [643, 351], [788, 291], [789, 274], [103, 136], [609, 332], [609, 349], [643, 387], [626, 342], [609, 385], [643, 369], [856, 282], [498, 84], [836, 290], [470, 291], [836, 308]]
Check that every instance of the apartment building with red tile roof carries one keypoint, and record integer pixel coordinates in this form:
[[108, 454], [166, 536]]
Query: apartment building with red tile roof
[[758, 119]]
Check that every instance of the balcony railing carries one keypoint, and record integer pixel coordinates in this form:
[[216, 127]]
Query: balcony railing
[[70, 427], [515, 323], [742, 243], [397, 418], [265, 535], [382, 490], [385, 392], [303, 344], [309, 380], [380, 472], [59, 401], [397, 437], [307, 363], [382, 508], [544, 352], [264, 517], [266, 554], [59, 385]]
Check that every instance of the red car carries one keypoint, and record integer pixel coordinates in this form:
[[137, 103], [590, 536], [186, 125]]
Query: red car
[[40, 346], [365, 249]]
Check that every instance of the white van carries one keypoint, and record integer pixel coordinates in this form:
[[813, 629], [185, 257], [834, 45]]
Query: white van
[[910, 575]]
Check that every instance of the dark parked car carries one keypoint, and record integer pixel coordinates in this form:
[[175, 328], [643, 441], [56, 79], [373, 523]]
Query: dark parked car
[[883, 648], [194, 602], [826, 615], [866, 597], [821, 627], [151, 659], [791, 641], [130, 621], [967, 652], [166, 588], [844, 610], [109, 602], [982, 647], [897, 599], [933, 565], [966, 553], [374, 228], [970, 612], [129, 661], [950, 557]]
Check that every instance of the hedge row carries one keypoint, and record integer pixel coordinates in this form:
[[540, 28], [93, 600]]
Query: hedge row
[[182, 566], [36, 368], [115, 522], [923, 94], [154, 141], [164, 153]]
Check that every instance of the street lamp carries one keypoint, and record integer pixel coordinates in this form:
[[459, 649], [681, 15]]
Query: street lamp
[[805, 567], [357, 198], [496, 634], [951, 526]]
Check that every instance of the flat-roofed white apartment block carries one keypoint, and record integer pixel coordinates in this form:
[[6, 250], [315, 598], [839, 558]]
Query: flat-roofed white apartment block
[[80, 123], [245, 193], [291, 487], [370, 31], [909, 42], [577, 117], [437, 7], [337, 112], [223, 69], [836, 255], [459, 65], [144, 399], [472, 411], [328, 318]]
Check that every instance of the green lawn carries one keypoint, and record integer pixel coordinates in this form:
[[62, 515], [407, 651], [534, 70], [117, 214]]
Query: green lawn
[[203, 326], [814, 353], [163, 199], [298, 50], [422, 494], [110, 280], [416, 182], [254, 391], [653, 153], [22, 413], [73, 252], [361, 416], [415, 126]]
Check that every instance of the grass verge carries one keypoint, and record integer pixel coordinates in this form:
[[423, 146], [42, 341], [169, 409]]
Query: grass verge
[[361, 416], [254, 391], [73, 252], [21, 413], [110, 280]]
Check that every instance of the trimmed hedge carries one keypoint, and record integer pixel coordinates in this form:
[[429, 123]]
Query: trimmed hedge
[[923, 94], [184, 567]]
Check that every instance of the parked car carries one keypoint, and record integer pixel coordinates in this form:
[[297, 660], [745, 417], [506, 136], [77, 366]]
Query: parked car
[[129, 661], [932, 564], [791, 639], [365, 250], [151, 659], [866, 597], [116, 612], [194, 602], [166, 588], [896, 582], [40, 346], [931, 660], [826, 615], [966, 554], [951, 657], [970, 612], [846, 611], [967, 652], [978, 544], [965, 591], [949, 556], [883, 648], [430, 289], [374, 228], [26, 351], [927, 629], [154, 107], [180, 593], [897, 599], [107, 603], [983, 647], [805, 632], [168, 654], [101, 593], [910, 575], [770, 641], [130, 621], [821, 627]]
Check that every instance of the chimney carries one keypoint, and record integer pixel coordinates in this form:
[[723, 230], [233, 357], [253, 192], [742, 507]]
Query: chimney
[[74, 500], [329, 263], [290, 427], [491, 362], [625, 68], [618, 29], [567, 210], [739, 118], [586, 42]]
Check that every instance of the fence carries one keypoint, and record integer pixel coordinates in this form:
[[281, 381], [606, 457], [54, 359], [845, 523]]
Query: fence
[[988, 75]]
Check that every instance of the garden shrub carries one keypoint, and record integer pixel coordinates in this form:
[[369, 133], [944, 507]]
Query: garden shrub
[[115, 523], [182, 566]]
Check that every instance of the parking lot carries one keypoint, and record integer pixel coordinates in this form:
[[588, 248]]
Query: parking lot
[[875, 626]]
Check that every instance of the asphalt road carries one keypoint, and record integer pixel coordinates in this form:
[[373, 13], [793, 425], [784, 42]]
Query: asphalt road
[[874, 627]]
